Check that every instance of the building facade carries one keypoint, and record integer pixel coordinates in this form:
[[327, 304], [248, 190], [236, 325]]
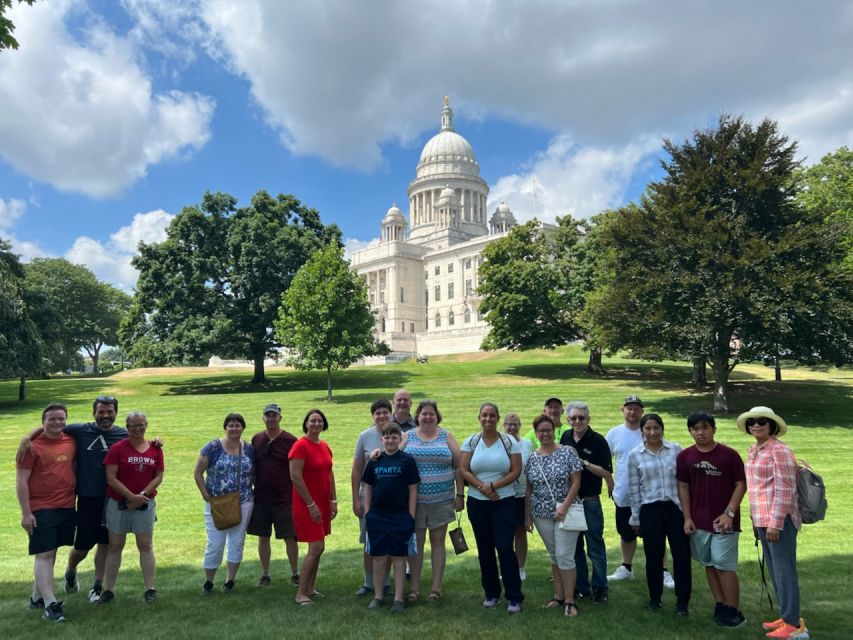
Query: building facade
[[422, 276]]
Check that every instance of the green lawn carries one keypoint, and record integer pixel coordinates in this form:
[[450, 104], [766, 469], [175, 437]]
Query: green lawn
[[186, 408]]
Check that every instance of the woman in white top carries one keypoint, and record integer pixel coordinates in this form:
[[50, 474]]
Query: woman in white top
[[491, 462]]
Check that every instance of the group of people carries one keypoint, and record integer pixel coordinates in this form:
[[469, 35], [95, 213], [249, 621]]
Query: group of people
[[113, 473], [409, 477]]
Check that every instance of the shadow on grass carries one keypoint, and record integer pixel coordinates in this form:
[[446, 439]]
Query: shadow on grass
[[41, 392], [252, 612], [662, 375], [290, 381]]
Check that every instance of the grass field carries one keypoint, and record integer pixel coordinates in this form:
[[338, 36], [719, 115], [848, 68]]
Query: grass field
[[186, 408]]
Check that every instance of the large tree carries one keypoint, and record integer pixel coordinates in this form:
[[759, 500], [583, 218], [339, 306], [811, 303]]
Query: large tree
[[720, 260], [73, 309], [213, 287], [325, 318], [534, 284], [827, 189], [20, 343]]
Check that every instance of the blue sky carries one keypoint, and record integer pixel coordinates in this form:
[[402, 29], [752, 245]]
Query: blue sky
[[116, 114]]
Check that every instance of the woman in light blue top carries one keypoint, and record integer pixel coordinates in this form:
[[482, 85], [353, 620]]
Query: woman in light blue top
[[491, 462]]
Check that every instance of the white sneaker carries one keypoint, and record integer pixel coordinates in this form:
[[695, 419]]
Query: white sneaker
[[668, 582], [522, 574], [621, 574]]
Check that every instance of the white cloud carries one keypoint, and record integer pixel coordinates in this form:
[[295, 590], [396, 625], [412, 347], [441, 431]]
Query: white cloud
[[574, 179], [79, 110], [338, 79], [351, 245], [111, 261], [11, 211]]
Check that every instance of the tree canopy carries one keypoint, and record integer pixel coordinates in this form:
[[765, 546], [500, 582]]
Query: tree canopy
[[325, 317], [534, 284], [214, 286], [20, 344], [73, 309], [719, 259]]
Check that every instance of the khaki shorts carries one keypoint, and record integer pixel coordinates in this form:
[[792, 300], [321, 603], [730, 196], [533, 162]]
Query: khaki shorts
[[434, 515], [123, 521]]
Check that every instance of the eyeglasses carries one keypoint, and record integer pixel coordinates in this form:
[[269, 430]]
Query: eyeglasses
[[542, 432], [577, 418], [761, 422]]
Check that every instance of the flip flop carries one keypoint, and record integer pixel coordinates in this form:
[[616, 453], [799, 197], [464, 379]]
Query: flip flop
[[434, 596], [571, 610], [554, 602], [303, 603], [315, 594]]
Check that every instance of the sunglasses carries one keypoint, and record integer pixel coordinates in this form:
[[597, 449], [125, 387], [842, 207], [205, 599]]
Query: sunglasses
[[761, 422], [577, 418]]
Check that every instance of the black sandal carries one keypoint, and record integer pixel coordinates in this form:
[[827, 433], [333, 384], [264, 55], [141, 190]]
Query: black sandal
[[553, 603], [571, 607]]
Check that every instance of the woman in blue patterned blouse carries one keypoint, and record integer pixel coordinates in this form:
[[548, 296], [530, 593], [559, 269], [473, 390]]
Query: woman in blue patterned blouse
[[440, 493], [227, 464]]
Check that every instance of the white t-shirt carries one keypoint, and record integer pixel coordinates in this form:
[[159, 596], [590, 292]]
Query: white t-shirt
[[622, 440], [491, 463], [521, 484]]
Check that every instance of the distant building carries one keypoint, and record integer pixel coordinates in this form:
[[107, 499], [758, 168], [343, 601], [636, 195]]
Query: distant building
[[422, 276]]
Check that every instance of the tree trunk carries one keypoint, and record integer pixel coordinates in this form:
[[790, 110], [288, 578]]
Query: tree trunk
[[328, 383], [721, 384], [594, 366], [258, 359], [22, 389], [95, 358], [700, 372], [778, 367]]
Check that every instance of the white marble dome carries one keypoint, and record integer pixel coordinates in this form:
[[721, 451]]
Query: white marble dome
[[447, 152], [394, 215]]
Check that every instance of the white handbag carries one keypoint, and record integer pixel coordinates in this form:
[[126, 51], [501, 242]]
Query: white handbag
[[575, 519]]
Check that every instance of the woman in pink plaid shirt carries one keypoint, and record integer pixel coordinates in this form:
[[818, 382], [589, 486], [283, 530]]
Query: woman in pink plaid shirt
[[771, 482]]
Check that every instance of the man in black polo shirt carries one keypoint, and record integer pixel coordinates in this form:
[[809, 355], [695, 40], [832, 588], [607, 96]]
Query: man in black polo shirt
[[594, 454]]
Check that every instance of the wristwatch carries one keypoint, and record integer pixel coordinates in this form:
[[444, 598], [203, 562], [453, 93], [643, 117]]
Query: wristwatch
[[729, 512]]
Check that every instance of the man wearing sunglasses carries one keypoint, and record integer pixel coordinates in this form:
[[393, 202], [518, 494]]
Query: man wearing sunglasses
[[273, 494], [594, 454], [93, 441]]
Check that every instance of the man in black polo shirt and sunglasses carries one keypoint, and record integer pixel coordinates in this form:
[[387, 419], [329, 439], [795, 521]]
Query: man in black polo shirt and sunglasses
[[93, 441]]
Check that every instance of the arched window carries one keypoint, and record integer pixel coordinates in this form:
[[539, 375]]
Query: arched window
[[437, 319], [451, 319]]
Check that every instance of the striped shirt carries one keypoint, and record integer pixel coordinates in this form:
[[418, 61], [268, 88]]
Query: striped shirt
[[651, 477], [771, 482], [435, 466]]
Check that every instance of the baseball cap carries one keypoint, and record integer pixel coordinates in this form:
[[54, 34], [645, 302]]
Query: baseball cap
[[272, 407], [633, 400]]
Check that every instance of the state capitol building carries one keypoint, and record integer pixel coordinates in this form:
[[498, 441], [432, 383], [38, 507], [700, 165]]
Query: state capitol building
[[422, 276]]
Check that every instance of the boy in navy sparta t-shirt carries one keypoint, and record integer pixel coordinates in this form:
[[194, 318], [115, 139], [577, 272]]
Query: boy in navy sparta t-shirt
[[390, 496]]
